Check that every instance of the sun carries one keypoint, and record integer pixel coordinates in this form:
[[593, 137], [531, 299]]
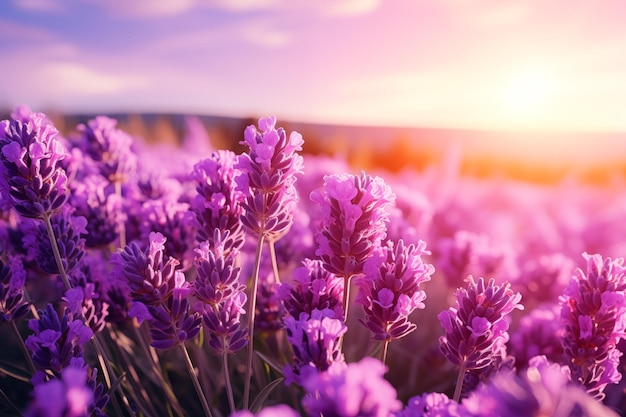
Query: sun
[[526, 95]]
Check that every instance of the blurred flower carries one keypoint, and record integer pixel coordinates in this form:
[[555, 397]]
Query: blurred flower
[[30, 152], [594, 315], [314, 340], [543, 389], [96, 200], [312, 288], [270, 411], [389, 289], [175, 222], [218, 203], [109, 147], [471, 254], [269, 309], [13, 305], [545, 278], [74, 394], [69, 231], [356, 389], [538, 333], [268, 174], [353, 220], [432, 404]]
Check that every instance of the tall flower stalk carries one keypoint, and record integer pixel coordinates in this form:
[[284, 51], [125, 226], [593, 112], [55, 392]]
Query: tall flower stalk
[[267, 180], [593, 311], [389, 290], [353, 223], [476, 329]]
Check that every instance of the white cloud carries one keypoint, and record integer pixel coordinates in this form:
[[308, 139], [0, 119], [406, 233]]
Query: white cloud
[[349, 7], [262, 33]]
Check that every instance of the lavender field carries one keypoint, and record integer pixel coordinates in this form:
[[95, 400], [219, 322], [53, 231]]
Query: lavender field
[[266, 277]]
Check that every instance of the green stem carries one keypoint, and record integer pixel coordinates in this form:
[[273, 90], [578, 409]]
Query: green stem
[[274, 262], [459, 383], [229, 386], [196, 381], [25, 351], [121, 225], [384, 353], [55, 251], [251, 314]]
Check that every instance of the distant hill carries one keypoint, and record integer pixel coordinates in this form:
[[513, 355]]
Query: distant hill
[[534, 156]]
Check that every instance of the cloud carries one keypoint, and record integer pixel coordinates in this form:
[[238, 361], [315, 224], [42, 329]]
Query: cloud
[[18, 31], [41, 6], [262, 33], [350, 7], [146, 8]]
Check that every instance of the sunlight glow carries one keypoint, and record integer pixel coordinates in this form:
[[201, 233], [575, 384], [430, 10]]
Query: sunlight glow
[[528, 93]]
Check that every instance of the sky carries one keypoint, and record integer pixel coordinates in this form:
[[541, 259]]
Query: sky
[[556, 65]]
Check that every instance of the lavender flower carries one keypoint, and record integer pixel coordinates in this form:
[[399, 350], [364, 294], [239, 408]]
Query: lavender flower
[[96, 200], [218, 203], [269, 309], [389, 290], [109, 147], [223, 323], [313, 288], [74, 394], [86, 299], [353, 220], [56, 340], [68, 230], [543, 389], [30, 152], [173, 322], [314, 340], [175, 222], [538, 333], [594, 314], [470, 254], [217, 277], [13, 306], [271, 411], [476, 329], [268, 175], [151, 279], [432, 404], [357, 389]]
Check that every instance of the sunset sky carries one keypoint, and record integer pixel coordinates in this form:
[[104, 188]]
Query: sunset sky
[[528, 64]]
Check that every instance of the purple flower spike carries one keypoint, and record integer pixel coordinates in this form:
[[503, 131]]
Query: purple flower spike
[[313, 288], [224, 324], [69, 231], [13, 306], [353, 220], [357, 389], [593, 311], [94, 198], [389, 290], [315, 343], [109, 147], [56, 340], [217, 276], [30, 152], [543, 389], [174, 323], [268, 178], [218, 203], [432, 404], [151, 279], [476, 329]]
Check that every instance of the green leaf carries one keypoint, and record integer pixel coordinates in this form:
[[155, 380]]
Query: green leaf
[[259, 401], [276, 367]]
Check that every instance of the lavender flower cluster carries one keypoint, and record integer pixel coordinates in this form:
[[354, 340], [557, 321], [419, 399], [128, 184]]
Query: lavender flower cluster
[[130, 287]]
